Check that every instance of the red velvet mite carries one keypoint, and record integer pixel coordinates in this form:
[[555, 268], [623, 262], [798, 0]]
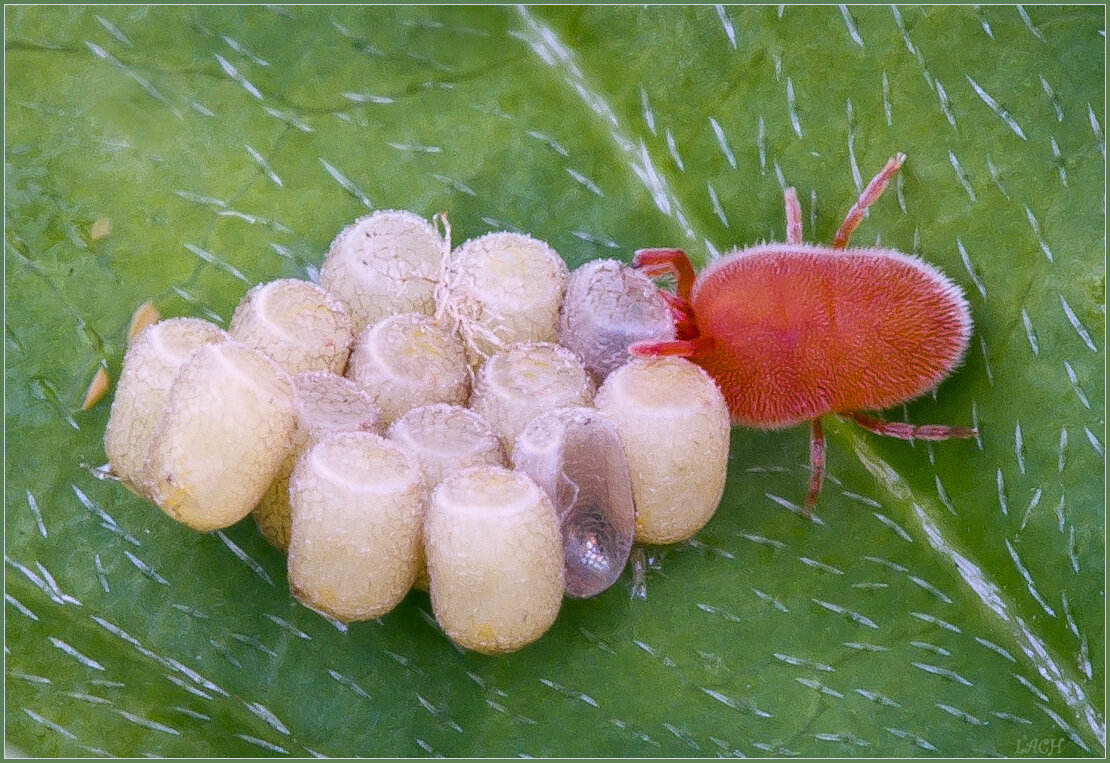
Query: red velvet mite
[[793, 332]]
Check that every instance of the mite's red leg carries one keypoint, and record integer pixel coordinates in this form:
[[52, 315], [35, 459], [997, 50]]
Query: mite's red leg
[[793, 217], [816, 466], [909, 431], [869, 196], [661, 262], [682, 348], [682, 313]]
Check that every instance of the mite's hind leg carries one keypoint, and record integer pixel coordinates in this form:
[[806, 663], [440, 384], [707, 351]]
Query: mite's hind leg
[[661, 262], [793, 217], [909, 431], [869, 196], [816, 466]]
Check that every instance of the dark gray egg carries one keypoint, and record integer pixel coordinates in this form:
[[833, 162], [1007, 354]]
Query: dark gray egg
[[607, 307], [576, 457]]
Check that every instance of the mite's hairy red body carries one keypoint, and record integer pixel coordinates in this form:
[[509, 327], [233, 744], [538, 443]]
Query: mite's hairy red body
[[793, 332], [799, 331]]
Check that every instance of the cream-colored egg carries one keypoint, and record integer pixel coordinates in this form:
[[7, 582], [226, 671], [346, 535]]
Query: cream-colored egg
[[227, 427], [521, 382], [495, 559], [408, 360], [326, 403], [358, 504], [149, 368], [674, 426], [445, 439], [297, 323], [500, 289], [387, 262]]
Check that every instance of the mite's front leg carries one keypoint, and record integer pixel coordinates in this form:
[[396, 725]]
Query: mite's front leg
[[672, 262], [869, 196], [682, 348], [793, 216]]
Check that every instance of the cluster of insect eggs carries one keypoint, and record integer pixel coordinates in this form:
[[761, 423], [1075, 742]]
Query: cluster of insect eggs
[[491, 440], [464, 420]]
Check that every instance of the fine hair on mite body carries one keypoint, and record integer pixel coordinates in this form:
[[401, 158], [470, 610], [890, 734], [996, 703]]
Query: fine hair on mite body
[[793, 332]]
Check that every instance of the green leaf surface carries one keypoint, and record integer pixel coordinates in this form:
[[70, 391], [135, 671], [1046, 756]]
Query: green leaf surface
[[951, 601]]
